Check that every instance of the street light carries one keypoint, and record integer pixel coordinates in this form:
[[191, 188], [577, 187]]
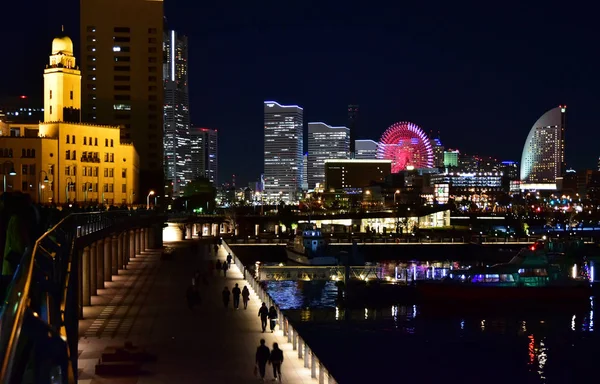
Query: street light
[[12, 172], [40, 186], [396, 193], [148, 199], [68, 187]]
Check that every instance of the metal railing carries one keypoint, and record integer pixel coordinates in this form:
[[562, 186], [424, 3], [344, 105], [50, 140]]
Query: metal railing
[[311, 361], [40, 313]]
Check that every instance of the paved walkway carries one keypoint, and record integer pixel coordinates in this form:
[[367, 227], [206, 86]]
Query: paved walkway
[[146, 304]]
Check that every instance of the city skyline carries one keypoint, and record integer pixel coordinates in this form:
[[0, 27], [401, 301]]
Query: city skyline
[[452, 83]]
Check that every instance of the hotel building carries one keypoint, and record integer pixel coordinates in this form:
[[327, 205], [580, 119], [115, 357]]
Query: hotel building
[[325, 142]]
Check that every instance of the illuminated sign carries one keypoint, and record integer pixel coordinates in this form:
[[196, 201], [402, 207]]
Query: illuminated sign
[[441, 193]]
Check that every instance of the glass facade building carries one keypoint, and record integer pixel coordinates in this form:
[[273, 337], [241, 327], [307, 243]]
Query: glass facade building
[[325, 142], [176, 141], [542, 161], [283, 151], [204, 154]]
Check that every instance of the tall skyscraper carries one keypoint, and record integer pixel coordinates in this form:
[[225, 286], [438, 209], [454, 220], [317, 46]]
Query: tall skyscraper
[[352, 124], [283, 151], [177, 155], [325, 142], [438, 153], [204, 151], [122, 55], [365, 149], [543, 156], [305, 172]]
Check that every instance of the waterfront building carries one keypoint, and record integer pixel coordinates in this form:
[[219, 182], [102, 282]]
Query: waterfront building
[[438, 153], [63, 160], [283, 151], [353, 174], [204, 154], [469, 183], [451, 158], [365, 149], [177, 152], [325, 142], [542, 161], [510, 170], [122, 57]]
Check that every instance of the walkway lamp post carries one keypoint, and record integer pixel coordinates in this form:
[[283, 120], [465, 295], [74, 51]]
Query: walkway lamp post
[[11, 172], [40, 186], [68, 187], [148, 199], [396, 193]]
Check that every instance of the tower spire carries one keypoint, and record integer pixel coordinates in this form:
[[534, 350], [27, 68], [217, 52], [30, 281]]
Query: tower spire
[[62, 28]]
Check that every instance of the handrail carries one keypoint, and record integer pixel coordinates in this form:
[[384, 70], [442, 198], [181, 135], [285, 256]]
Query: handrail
[[73, 226], [298, 344]]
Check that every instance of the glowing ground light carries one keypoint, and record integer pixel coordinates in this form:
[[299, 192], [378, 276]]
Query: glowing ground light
[[407, 146]]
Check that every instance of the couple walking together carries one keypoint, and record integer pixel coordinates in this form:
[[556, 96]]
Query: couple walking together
[[273, 357]]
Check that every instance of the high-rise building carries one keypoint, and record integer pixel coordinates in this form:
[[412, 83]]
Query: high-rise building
[[451, 158], [365, 149], [352, 124], [122, 57], [283, 151], [438, 153], [204, 154], [176, 141], [305, 172], [325, 142], [543, 156]]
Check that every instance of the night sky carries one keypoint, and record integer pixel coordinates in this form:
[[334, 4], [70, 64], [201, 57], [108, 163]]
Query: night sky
[[479, 75]]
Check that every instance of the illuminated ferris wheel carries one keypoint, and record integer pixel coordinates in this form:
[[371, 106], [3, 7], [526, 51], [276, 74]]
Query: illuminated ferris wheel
[[407, 146]]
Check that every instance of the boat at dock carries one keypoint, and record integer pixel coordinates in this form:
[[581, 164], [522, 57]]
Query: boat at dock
[[532, 276], [310, 248]]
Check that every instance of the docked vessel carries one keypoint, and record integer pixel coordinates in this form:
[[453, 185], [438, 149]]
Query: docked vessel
[[530, 277], [310, 248]]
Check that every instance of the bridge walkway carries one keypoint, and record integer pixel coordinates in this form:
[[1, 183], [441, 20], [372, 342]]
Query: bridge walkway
[[146, 305]]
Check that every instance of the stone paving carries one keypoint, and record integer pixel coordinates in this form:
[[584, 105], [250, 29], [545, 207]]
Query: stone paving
[[146, 305]]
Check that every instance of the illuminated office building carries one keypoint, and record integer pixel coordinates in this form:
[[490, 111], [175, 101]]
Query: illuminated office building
[[62, 160], [204, 151], [542, 161], [122, 59], [283, 151], [176, 141], [365, 149], [325, 142]]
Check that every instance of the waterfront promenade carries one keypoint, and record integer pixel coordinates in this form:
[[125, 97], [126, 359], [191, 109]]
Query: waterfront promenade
[[146, 305]]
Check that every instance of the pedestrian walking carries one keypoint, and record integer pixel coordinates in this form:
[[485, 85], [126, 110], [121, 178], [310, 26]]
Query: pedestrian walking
[[263, 313], [218, 266], [216, 248], [272, 318], [229, 258], [226, 295], [245, 296], [225, 267], [236, 292], [262, 357], [276, 359]]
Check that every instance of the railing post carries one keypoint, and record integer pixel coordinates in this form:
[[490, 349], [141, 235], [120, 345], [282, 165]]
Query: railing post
[[290, 334], [321, 373], [305, 355], [300, 342], [295, 341], [100, 264], [313, 365], [131, 244], [93, 269]]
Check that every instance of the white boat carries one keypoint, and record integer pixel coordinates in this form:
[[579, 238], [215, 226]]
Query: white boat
[[310, 248]]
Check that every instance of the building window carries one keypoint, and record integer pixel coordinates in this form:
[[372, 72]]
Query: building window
[[24, 169], [152, 88], [152, 59], [68, 155], [50, 169], [152, 79], [50, 94], [122, 87], [68, 137], [24, 186], [71, 94], [121, 30], [123, 188], [96, 170], [151, 69], [122, 107], [96, 141], [111, 143], [84, 140], [112, 157], [106, 142], [122, 68], [111, 172], [74, 155], [121, 59], [152, 40], [122, 97], [90, 141], [121, 39], [50, 109], [91, 29], [33, 153], [122, 78], [73, 139], [151, 97], [91, 58], [152, 30], [106, 157], [67, 171], [151, 49], [124, 173]]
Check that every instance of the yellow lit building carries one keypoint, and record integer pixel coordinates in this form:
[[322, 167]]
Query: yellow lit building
[[61, 159]]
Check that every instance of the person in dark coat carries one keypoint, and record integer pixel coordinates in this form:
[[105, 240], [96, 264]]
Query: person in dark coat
[[229, 259], [226, 295], [236, 292], [262, 357], [225, 267], [272, 318], [245, 296], [263, 313], [276, 359]]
